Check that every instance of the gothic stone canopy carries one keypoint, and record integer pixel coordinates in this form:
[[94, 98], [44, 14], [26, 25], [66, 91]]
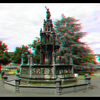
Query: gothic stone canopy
[[47, 40]]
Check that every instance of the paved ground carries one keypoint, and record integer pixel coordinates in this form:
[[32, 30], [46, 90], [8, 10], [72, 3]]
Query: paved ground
[[34, 93], [4, 92]]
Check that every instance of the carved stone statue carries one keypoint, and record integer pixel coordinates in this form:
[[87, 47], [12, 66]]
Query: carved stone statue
[[48, 15]]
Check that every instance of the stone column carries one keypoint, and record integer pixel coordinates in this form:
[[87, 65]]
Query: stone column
[[53, 38], [43, 28], [71, 60], [44, 38], [46, 55], [31, 59], [71, 63], [31, 63], [53, 55], [41, 46], [72, 69], [41, 54], [44, 25], [28, 59], [22, 62], [54, 67]]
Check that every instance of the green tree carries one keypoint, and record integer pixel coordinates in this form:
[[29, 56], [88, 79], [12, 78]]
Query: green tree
[[67, 36], [91, 58], [16, 57], [4, 56]]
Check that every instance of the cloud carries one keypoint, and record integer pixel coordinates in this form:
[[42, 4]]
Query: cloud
[[92, 27], [93, 41], [21, 23]]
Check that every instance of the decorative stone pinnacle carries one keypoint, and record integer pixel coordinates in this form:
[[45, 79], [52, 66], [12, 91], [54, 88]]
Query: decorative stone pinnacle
[[41, 30]]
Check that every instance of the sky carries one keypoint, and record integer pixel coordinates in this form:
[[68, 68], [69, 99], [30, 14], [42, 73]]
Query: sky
[[20, 23]]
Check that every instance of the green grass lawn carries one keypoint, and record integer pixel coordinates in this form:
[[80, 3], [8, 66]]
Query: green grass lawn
[[23, 83], [0, 77], [82, 76], [11, 71]]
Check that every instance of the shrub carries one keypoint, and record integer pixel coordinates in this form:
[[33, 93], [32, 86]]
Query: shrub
[[84, 72]]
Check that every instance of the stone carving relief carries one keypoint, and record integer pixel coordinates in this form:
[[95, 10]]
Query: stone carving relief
[[47, 71], [41, 71], [24, 70], [62, 72]]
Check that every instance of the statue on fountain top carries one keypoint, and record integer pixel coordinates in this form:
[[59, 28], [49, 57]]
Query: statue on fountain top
[[48, 15]]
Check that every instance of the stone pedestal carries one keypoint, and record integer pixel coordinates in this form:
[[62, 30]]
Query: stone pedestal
[[58, 86], [17, 83], [88, 81], [4, 79]]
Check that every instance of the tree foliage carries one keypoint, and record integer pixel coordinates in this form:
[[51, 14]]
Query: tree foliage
[[90, 58], [4, 56], [67, 36], [16, 57], [37, 52]]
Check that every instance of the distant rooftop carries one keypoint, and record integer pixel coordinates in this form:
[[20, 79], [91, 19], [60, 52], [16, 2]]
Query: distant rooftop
[[97, 54], [11, 65], [10, 52]]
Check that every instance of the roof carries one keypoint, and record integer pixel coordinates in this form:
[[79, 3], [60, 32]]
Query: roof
[[11, 65]]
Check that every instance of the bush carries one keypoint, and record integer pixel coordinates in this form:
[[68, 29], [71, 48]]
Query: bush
[[84, 72]]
